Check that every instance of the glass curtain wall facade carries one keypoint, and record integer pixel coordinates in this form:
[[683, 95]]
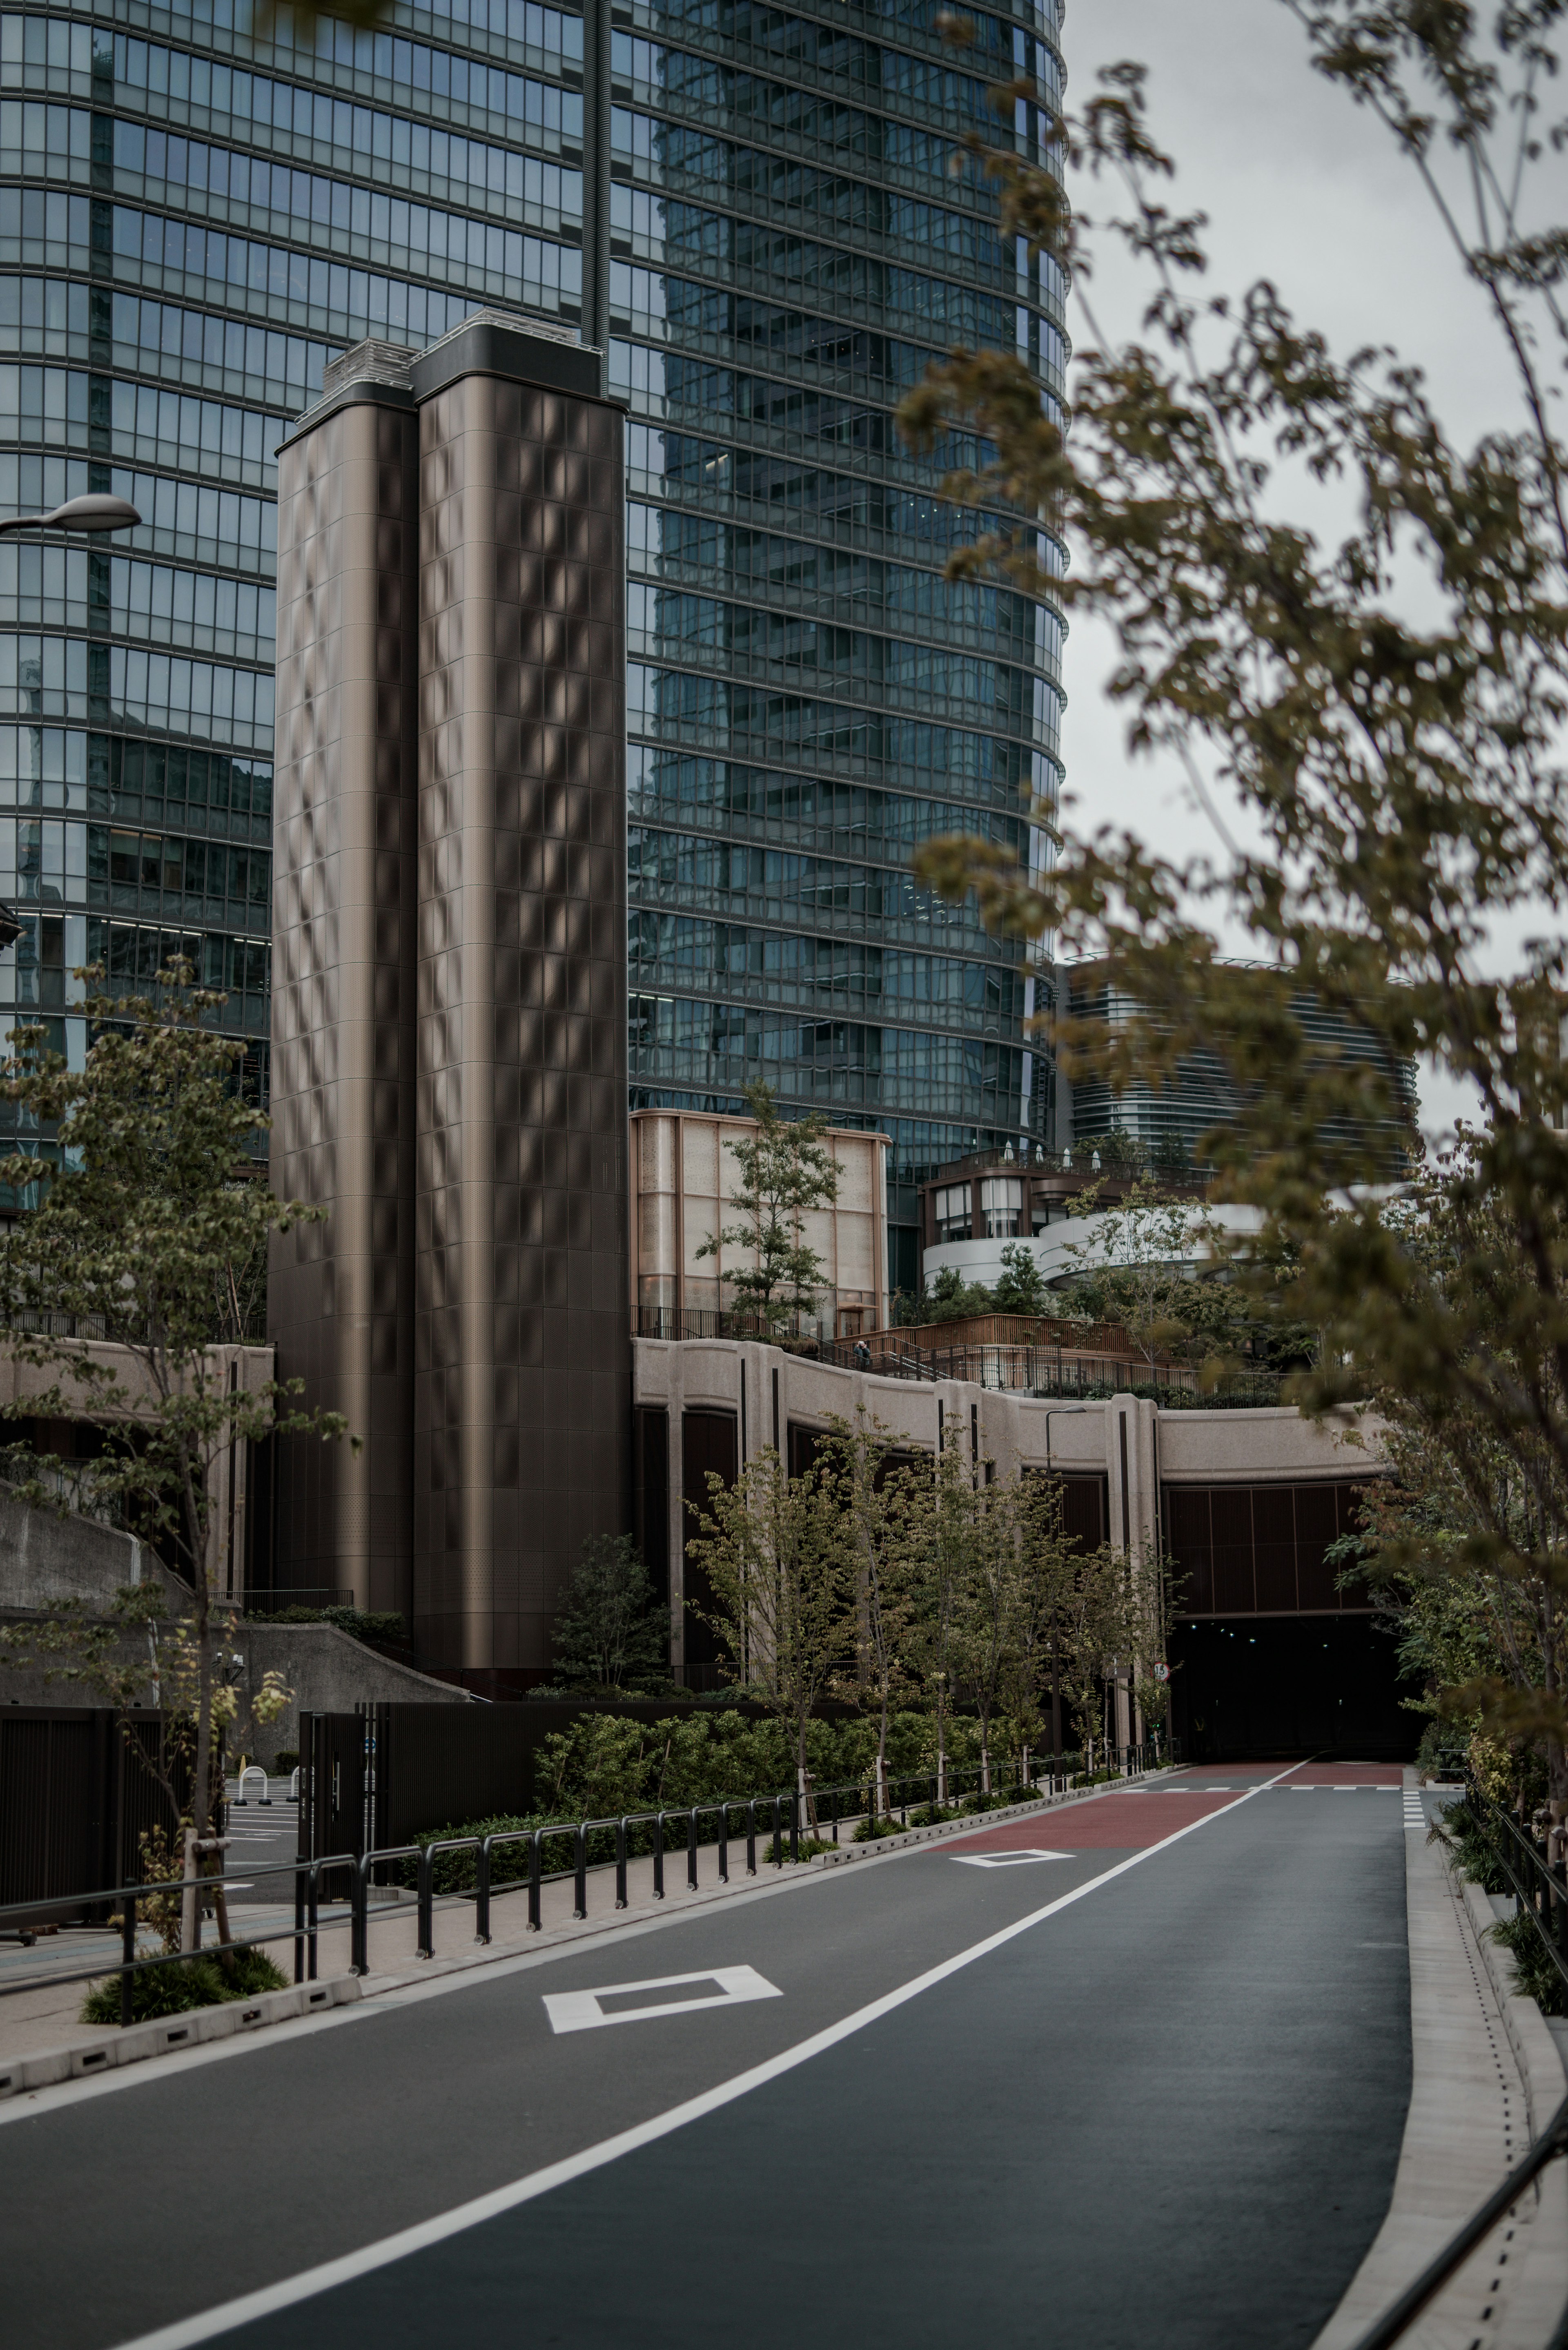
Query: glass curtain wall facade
[[192, 222], [807, 700]]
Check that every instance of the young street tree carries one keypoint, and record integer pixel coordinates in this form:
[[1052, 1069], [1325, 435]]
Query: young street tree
[[1398, 752], [610, 1631], [785, 1171], [876, 1496], [776, 1553], [142, 1221], [941, 1555]]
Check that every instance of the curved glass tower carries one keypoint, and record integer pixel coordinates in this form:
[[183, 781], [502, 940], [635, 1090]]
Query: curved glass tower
[[795, 234]]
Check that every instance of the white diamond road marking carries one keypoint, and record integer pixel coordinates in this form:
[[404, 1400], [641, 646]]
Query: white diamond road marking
[[1015, 1859], [580, 2011]]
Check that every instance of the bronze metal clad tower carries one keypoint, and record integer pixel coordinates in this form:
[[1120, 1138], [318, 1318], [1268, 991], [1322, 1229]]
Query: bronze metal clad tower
[[450, 1070]]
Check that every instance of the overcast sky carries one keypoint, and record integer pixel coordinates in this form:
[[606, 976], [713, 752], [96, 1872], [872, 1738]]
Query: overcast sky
[[1300, 186]]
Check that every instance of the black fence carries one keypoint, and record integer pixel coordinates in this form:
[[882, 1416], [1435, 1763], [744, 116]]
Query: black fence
[[76, 1798], [776, 1830]]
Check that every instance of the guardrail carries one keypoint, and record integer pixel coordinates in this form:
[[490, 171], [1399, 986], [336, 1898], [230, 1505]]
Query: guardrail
[[777, 1821], [1540, 1891]]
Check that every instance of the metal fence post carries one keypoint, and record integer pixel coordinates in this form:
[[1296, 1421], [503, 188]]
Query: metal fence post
[[794, 1826], [620, 1864], [482, 1893], [359, 1920], [299, 1922], [778, 1832], [692, 1850], [128, 1957], [724, 1844], [580, 1885], [751, 1837], [534, 1882], [425, 1928], [659, 1856]]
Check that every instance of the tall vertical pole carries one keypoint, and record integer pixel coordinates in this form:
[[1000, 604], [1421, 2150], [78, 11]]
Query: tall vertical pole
[[595, 171]]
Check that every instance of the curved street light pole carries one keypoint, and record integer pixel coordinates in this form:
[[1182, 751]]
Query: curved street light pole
[[94, 513]]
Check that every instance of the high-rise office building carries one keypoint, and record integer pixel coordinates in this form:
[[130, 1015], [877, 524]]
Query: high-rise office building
[[796, 232], [195, 217]]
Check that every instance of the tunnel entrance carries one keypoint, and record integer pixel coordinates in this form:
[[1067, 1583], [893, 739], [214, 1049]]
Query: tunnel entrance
[[1264, 1686]]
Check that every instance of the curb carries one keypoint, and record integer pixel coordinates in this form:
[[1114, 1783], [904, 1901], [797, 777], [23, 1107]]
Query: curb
[[1535, 2307], [975, 1824], [137, 2041]]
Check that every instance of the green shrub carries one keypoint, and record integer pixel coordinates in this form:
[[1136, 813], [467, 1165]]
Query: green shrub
[[365, 1623], [1537, 1972], [867, 1831], [180, 1984], [284, 1761], [1471, 1848]]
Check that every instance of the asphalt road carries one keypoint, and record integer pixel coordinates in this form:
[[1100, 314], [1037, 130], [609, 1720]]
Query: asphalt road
[[1168, 2110]]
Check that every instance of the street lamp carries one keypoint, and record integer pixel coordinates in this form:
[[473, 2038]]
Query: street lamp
[[97, 512], [94, 512]]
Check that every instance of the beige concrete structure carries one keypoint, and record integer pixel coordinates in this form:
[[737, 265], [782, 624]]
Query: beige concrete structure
[[448, 1069], [684, 1174], [238, 1483], [713, 1403]]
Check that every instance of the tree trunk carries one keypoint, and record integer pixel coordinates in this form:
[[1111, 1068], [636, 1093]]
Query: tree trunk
[[881, 1804]]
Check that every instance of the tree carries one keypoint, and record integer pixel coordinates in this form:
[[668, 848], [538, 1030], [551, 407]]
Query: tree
[[785, 1172], [941, 1568], [990, 1604], [1387, 708], [1020, 1285], [137, 1233], [779, 1565], [1136, 1270], [951, 1298], [610, 1631], [875, 1495]]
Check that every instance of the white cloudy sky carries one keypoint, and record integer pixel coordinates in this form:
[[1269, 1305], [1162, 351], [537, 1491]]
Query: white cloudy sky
[[1302, 187]]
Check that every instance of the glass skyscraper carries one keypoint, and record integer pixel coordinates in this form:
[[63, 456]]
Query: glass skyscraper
[[795, 233], [193, 219]]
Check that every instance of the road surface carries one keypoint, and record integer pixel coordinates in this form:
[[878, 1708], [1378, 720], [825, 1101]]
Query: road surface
[[1132, 2072]]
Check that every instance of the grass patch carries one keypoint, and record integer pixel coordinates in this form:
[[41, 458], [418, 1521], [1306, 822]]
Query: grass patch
[[180, 1984]]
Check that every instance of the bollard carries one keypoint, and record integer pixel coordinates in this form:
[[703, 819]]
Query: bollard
[[424, 1930], [128, 1957], [751, 1837], [620, 1864], [360, 1921], [482, 1893], [580, 1887], [659, 1856], [534, 1882], [724, 1844], [692, 1850]]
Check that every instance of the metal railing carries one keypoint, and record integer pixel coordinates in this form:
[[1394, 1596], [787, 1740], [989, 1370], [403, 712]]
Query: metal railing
[[779, 1822], [1540, 1892]]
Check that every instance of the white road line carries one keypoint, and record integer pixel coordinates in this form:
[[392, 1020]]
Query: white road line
[[1017, 1859], [289, 2292]]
